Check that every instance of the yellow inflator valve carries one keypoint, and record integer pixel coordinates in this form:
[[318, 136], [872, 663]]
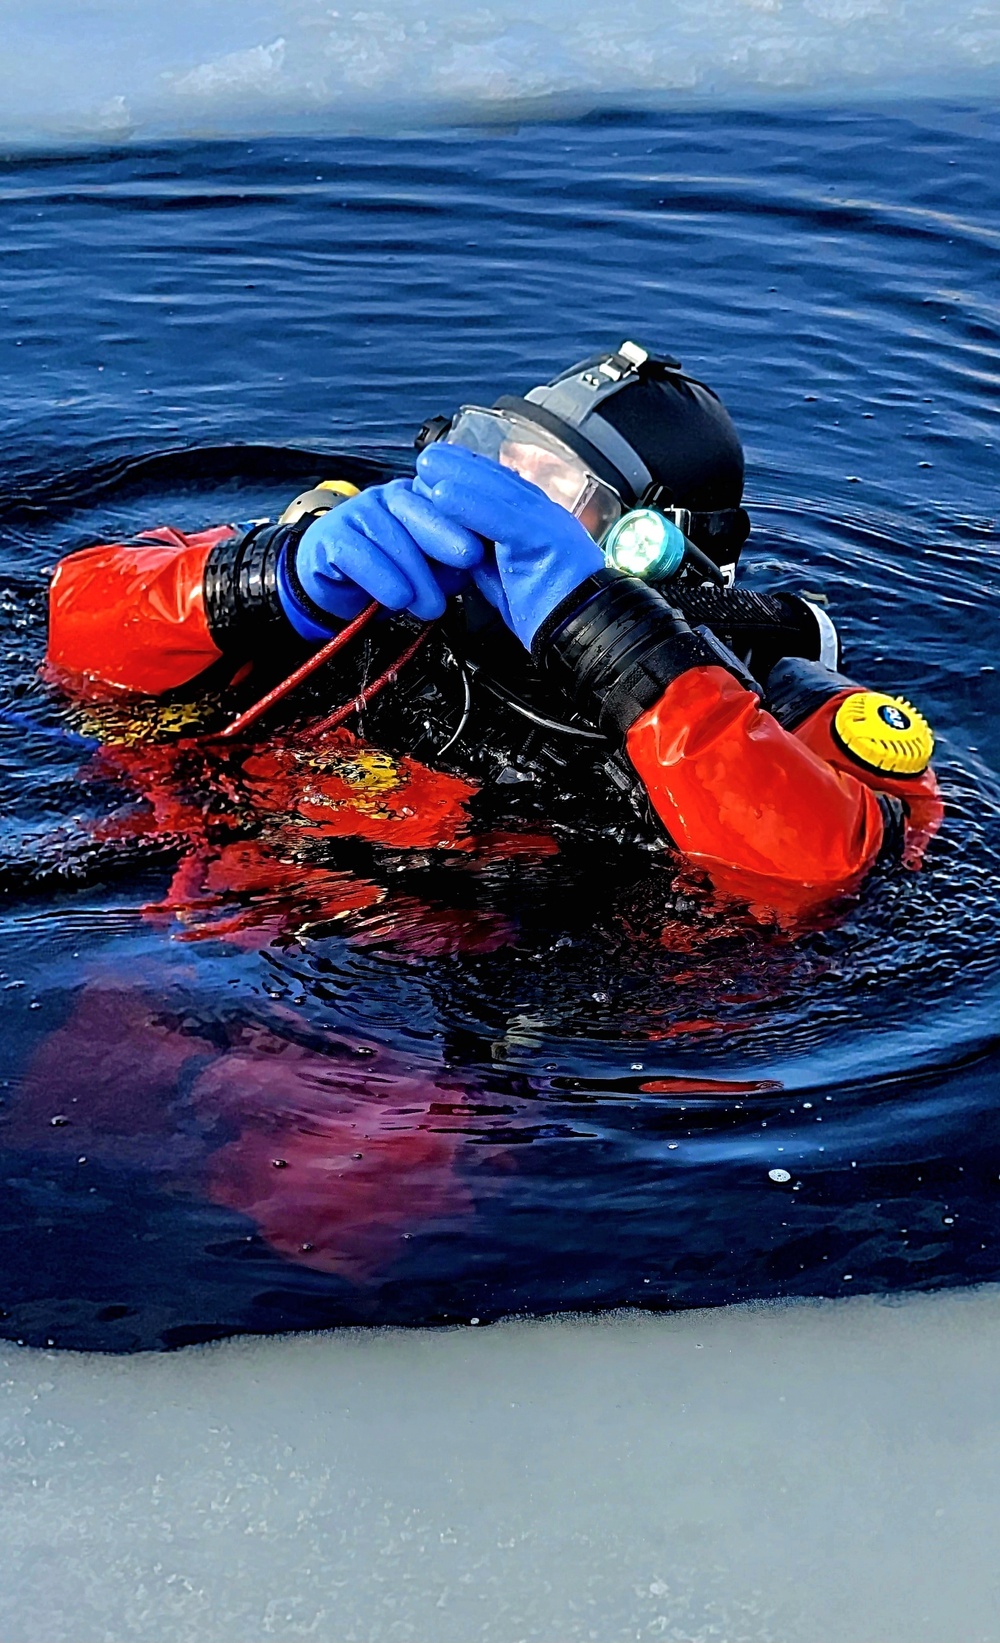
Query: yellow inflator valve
[[884, 733]]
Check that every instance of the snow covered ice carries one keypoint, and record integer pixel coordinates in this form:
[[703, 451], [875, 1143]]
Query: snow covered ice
[[790, 1473], [113, 70]]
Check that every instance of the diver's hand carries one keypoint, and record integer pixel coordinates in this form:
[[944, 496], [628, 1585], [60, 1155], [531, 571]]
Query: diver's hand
[[542, 552], [387, 544]]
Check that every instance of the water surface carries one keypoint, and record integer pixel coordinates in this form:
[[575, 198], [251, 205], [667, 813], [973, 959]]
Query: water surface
[[566, 1087]]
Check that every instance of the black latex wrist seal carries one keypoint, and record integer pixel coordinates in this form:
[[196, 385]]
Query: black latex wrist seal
[[894, 827], [618, 644], [241, 588]]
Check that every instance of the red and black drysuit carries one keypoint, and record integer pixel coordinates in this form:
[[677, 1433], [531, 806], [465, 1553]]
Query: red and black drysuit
[[777, 814]]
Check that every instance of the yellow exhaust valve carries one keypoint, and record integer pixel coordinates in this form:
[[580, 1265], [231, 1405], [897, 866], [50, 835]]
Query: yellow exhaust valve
[[884, 733], [318, 500]]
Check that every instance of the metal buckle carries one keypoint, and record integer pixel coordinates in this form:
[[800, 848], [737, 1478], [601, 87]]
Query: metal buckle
[[681, 517]]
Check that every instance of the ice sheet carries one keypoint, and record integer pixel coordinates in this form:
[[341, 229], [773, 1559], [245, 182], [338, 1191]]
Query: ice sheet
[[114, 69], [821, 1471]]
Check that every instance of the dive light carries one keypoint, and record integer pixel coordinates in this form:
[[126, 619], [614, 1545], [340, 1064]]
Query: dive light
[[645, 543]]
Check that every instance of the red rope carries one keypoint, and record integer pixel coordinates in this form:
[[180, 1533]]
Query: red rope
[[330, 649], [387, 678]]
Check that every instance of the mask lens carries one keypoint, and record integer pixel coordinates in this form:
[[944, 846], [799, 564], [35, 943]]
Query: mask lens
[[563, 482], [542, 459]]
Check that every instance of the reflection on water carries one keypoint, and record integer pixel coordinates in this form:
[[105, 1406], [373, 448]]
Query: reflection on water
[[304, 1029]]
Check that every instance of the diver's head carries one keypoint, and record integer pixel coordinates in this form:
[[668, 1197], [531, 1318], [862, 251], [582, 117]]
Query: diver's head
[[622, 430]]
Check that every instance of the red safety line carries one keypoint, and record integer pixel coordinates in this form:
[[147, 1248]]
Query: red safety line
[[329, 650], [360, 701]]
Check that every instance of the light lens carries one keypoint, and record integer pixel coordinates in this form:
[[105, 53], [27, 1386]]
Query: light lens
[[644, 544]]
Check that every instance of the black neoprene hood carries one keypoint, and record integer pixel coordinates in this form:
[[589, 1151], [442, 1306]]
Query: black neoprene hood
[[644, 425]]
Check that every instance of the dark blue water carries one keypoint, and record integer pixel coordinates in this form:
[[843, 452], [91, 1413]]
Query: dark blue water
[[432, 1085]]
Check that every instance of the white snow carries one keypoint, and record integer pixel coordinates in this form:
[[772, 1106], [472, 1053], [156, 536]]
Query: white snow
[[800, 1473]]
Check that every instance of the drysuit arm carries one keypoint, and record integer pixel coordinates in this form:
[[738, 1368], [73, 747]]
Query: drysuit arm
[[752, 805], [150, 615], [748, 802], [132, 615], [878, 740]]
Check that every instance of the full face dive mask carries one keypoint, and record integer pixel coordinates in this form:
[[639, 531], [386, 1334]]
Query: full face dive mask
[[617, 433]]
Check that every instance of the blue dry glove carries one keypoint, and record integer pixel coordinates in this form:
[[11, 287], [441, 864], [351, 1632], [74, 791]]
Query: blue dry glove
[[387, 544], [542, 552]]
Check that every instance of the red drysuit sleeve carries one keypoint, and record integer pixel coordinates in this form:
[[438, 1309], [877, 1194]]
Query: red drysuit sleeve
[[766, 817], [131, 615]]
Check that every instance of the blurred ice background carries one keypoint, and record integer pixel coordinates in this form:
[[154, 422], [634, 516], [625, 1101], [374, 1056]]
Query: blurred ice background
[[113, 69]]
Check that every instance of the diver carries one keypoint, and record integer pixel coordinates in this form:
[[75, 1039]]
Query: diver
[[575, 551]]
